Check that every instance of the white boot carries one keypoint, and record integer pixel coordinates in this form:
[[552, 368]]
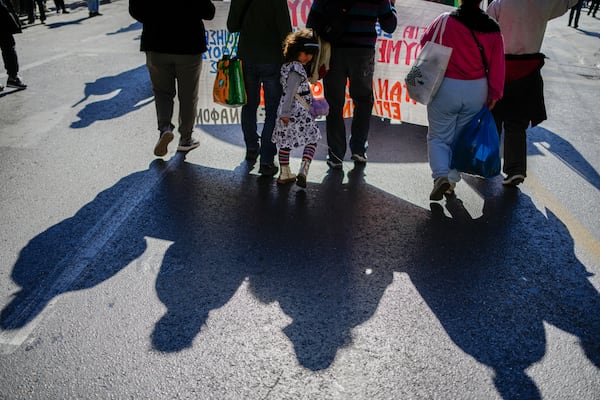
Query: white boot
[[286, 176], [303, 173]]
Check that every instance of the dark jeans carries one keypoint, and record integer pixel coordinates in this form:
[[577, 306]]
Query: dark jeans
[[357, 65], [593, 7], [522, 105], [60, 5], [9, 54], [256, 75], [515, 145], [31, 10]]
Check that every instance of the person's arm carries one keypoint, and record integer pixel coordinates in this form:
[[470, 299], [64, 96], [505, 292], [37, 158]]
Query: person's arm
[[388, 19], [315, 15], [207, 10], [235, 18], [283, 20], [496, 72], [560, 7], [137, 10], [292, 84]]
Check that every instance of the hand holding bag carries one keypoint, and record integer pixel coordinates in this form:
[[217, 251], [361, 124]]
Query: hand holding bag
[[428, 70], [229, 89], [477, 148], [317, 108]]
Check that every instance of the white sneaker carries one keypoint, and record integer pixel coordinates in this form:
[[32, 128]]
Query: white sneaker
[[189, 144]]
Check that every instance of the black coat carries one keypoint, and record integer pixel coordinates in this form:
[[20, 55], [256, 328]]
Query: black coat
[[9, 21], [174, 26]]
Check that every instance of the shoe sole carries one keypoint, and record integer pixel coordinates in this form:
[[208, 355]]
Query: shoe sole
[[284, 181], [438, 194], [270, 173], [359, 160], [515, 181], [301, 181], [10, 85], [161, 148], [188, 148]]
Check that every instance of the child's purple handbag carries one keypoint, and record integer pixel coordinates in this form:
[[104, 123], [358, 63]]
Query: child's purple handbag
[[319, 108]]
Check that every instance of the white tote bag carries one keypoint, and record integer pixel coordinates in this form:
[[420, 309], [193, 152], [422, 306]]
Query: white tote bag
[[428, 70]]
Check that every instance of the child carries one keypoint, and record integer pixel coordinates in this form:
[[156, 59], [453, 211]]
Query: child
[[296, 125]]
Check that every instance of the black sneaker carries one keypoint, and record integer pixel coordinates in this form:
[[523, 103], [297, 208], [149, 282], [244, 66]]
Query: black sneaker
[[268, 169], [1, 88], [188, 144], [16, 82]]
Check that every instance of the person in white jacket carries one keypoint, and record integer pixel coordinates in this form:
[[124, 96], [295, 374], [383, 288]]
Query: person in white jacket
[[523, 25]]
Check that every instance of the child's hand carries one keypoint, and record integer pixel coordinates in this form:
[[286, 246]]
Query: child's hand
[[285, 120]]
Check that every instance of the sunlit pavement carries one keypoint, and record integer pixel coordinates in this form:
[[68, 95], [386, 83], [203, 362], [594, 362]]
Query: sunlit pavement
[[126, 276]]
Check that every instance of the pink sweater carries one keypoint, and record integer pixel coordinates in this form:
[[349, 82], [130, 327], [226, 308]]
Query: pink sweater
[[465, 62]]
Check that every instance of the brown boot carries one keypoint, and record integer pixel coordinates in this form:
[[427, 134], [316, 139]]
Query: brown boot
[[301, 181], [286, 176]]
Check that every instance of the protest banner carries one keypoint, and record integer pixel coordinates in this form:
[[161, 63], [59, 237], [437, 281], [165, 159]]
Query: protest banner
[[393, 57]]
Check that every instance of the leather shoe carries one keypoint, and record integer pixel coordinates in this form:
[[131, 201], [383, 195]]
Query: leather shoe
[[268, 170]]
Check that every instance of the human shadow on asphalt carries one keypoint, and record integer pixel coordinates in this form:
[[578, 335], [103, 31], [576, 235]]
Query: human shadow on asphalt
[[497, 279], [563, 151], [326, 256], [589, 33], [134, 26], [55, 25], [131, 92]]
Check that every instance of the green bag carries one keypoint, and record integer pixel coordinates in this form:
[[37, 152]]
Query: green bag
[[229, 89]]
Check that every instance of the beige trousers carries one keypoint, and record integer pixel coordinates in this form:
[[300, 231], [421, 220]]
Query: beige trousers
[[173, 74]]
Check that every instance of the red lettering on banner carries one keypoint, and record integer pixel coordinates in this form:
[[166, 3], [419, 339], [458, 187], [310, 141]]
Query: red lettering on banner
[[299, 11], [390, 51], [395, 93], [387, 109], [412, 32], [412, 50]]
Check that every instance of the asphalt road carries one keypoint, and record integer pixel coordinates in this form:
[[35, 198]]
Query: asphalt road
[[190, 277]]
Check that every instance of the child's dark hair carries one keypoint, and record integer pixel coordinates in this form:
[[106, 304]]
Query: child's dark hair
[[302, 40]]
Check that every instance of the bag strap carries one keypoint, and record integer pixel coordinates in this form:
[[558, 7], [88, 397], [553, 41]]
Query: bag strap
[[440, 26], [302, 101], [480, 47], [234, 43]]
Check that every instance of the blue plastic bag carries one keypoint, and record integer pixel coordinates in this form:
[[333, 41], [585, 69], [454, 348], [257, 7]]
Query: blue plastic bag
[[477, 148]]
